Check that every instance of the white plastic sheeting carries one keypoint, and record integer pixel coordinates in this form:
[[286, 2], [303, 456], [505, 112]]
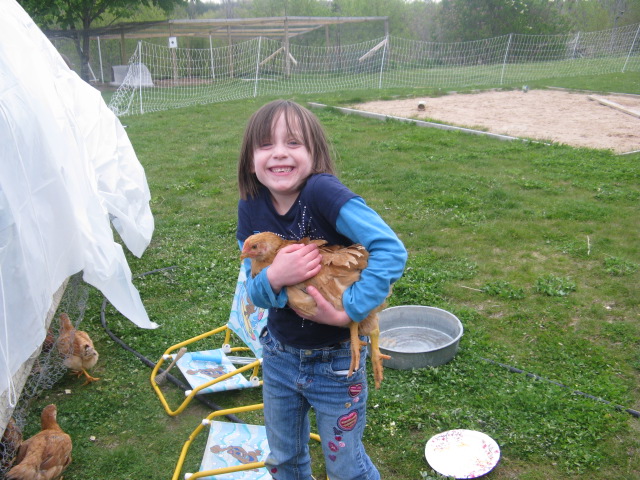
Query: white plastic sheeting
[[67, 172]]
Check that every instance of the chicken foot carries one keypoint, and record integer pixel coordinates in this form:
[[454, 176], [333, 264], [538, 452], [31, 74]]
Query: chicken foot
[[90, 379], [376, 356]]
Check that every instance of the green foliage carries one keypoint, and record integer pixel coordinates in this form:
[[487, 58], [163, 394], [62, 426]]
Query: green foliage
[[76, 17], [619, 267], [465, 20], [555, 286], [80, 14], [503, 289]]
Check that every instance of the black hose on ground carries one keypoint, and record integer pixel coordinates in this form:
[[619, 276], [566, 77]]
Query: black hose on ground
[[205, 401], [233, 418], [630, 411]]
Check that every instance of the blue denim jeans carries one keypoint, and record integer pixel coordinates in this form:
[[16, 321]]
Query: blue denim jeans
[[296, 380]]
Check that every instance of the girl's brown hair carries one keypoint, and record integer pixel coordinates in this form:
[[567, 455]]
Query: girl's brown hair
[[300, 122]]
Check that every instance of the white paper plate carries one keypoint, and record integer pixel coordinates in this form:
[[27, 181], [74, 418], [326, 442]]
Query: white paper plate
[[462, 453]]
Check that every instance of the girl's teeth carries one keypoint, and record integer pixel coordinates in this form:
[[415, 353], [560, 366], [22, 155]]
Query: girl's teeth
[[281, 170]]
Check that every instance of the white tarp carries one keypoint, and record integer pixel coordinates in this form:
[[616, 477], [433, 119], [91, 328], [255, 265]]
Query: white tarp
[[67, 171]]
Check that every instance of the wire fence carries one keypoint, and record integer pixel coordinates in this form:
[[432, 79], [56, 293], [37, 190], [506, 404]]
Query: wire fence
[[48, 368], [158, 77]]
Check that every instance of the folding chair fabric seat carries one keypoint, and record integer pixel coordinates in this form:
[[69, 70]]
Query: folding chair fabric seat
[[201, 367], [231, 444]]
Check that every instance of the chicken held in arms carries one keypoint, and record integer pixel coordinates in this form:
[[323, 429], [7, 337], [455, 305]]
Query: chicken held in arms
[[47, 454], [76, 348], [341, 267]]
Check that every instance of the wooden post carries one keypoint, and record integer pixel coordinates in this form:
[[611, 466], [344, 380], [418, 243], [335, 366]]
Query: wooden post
[[123, 56]]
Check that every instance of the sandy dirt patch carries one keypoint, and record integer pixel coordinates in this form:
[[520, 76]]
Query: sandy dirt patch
[[547, 115]]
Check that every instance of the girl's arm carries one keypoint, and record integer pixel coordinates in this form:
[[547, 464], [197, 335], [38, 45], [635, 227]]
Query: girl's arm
[[293, 264], [259, 289], [387, 257]]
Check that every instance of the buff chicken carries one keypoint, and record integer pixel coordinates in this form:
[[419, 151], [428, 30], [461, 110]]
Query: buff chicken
[[76, 348], [46, 455], [341, 267]]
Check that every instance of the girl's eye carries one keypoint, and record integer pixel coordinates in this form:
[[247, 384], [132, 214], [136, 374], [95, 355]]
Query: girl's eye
[[294, 142]]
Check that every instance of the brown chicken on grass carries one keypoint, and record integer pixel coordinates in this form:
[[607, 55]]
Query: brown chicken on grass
[[76, 348], [45, 455], [341, 267]]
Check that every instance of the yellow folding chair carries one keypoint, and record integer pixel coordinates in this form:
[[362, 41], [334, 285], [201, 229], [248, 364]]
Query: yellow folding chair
[[209, 371], [234, 451]]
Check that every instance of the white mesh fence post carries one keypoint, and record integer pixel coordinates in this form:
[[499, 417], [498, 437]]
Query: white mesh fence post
[[100, 56], [140, 76], [633, 44], [213, 70], [575, 46], [136, 55], [255, 87], [506, 56], [384, 54]]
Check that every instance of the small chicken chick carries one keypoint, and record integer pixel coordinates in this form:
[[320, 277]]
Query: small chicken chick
[[76, 347], [341, 267], [45, 455]]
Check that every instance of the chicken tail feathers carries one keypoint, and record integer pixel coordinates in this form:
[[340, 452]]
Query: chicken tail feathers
[[65, 322]]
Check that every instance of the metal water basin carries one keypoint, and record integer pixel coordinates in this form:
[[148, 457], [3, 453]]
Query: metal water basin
[[417, 336]]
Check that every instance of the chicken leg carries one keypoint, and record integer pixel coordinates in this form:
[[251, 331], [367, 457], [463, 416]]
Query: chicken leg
[[89, 379], [376, 356]]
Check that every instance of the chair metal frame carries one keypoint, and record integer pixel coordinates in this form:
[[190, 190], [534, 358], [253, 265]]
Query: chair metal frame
[[254, 363], [220, 471]]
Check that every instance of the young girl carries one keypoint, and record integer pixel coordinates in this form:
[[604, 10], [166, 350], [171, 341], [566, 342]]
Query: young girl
[[287, 186]]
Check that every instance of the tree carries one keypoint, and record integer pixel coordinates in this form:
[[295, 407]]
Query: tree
[[421, 20], [477, 19], [77, 16]]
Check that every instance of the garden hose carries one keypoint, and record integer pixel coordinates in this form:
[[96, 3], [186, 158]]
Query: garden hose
[[208, 403], [630, 411], [233, 418]]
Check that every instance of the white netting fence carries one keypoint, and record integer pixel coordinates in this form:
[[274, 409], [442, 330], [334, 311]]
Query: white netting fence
[[160, 78]]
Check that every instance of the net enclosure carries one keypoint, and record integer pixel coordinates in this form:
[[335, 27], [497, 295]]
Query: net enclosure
[[161, 77]]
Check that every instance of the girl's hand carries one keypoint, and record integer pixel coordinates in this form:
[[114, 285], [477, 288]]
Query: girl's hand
[[326, 313], [294, 264]]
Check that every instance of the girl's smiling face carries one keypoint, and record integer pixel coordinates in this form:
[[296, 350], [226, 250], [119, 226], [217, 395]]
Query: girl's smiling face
[[282, 163]]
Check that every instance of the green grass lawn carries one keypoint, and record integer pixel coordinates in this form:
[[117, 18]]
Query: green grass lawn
[[535, 248]]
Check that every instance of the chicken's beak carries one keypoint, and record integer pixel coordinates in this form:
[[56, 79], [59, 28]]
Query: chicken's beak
[[246, 251]]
